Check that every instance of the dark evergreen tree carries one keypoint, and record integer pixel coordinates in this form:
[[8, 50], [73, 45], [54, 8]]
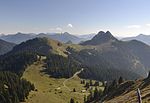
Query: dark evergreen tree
[[91, 83], [72, 100], [87, 85], [110, 87], [83, 81], [96, 83], [74, 90], [121, 80], [96, 93]]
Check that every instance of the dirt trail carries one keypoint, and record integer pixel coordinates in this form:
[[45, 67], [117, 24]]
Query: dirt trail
[[64, 83]]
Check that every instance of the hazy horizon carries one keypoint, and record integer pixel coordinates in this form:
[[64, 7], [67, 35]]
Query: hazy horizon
[[51, 33]]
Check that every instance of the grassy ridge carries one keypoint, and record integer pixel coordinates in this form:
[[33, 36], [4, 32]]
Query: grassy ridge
[[130, 93]]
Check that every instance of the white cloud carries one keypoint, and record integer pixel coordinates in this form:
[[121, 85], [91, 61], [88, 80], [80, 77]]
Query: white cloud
[[59, 29], [56, 29], [70, 25], [147, 24], [134, 26]]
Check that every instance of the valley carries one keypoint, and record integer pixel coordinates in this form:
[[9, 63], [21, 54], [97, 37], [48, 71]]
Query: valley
[[52, 90]]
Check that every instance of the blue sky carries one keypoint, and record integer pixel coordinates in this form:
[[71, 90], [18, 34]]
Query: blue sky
[[121, 17]]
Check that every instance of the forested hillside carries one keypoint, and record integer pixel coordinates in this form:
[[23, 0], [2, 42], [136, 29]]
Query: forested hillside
[[59, 66], [131, 56], [13, 89], [17, 62]]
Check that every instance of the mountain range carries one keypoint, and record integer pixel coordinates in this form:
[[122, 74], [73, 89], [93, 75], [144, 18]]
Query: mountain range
[[104, 56], [140, 37], [62, 37], [17, 38]]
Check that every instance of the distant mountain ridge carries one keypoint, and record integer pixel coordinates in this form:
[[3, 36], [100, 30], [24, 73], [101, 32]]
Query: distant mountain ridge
[[140, 37], [22, 37], [62, 37], [17, 38], [87, 36]]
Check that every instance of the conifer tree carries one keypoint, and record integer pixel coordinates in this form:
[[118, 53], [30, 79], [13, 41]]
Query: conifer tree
[[72, 100], [121, 80]]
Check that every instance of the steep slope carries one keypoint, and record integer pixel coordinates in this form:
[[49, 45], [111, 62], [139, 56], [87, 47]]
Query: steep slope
[[140, 37], [5, 47], [140, 50], [127, 92], [99, 66], [132, 56], [94, 59]]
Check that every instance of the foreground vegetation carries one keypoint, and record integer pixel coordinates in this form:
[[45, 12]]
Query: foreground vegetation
[[13, 89], [127, 91]]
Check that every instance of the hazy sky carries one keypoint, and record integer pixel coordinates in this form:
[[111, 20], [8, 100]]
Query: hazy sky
[[121, 17]]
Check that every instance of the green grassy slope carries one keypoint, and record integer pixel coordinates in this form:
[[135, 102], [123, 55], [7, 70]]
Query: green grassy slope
[[51, 90]]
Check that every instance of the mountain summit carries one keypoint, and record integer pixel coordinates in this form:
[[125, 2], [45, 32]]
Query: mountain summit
[[100, 38]]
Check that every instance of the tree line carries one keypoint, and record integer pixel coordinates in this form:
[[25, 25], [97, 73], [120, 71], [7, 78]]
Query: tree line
[[59, 66]]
